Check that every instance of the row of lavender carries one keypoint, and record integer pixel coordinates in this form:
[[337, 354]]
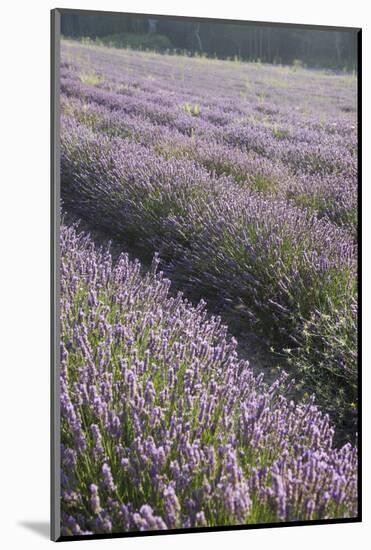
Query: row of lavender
[[322, 186], [286, 272], [308, 157], [164, 427]]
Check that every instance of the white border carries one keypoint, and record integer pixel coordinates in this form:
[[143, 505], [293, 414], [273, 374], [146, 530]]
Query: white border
[[25, 177]]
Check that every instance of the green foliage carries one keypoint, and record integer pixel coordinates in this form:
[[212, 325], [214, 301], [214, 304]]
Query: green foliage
[[263, 184], [193, 110], [156, 42], [330, 370], [91, 79], [326, 205], [280, 133], [298, 64], [335, 50]]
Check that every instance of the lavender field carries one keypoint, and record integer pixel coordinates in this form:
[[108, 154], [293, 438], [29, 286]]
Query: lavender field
[[228, 191]]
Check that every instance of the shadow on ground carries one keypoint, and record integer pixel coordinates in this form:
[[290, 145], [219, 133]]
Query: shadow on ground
[[41, 528]]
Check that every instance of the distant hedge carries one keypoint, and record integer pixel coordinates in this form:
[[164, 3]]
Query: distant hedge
[[157, 42]]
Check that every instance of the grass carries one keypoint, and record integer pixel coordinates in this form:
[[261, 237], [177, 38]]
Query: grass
[[193, 110], [91, 78]]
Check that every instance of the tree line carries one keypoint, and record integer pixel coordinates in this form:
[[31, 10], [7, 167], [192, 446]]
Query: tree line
[[335, 49]]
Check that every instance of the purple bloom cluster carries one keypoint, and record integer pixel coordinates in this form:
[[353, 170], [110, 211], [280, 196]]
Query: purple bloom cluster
[[276, 265], [172, 105], [241, 181], [242, 176], [163, 426]]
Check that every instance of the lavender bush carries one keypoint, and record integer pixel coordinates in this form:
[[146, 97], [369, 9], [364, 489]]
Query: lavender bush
[[326, 193], [163, 427], [275, 265], [239, 182]]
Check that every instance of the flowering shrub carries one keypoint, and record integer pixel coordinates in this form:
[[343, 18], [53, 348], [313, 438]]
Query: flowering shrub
[[164, 427], [328, 193], [239, 181], [276, 265]]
